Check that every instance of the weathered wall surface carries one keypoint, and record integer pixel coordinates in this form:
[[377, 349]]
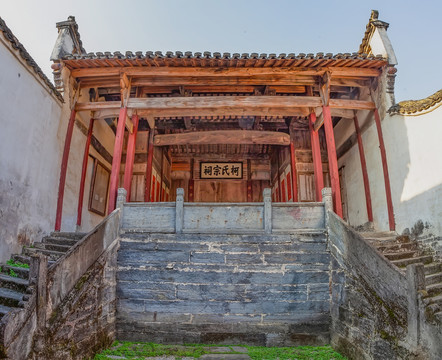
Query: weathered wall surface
[[369, 316], [255, 289], [84, 322], [29, 153]]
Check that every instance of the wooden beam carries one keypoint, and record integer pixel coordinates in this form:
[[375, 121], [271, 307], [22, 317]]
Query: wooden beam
[[332, 161], [63, 170], [319, 121], [226, 105], [83, 170], [129, 165], [391, 220], [352, 104], [223, 137], [324, 88], [116, 159], [223, 72], [317, 161], [364, 171]]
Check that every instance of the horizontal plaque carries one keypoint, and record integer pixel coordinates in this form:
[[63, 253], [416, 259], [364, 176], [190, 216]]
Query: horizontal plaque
[[221, 170]]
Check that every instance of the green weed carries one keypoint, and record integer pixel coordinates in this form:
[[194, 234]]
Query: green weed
[[19, 264], [140, 350], [12, 273]]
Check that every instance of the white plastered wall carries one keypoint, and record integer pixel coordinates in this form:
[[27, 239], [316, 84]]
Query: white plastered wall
[[29, 153], [413, 150]]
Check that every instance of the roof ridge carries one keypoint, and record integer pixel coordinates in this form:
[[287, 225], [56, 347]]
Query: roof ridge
[[373, 23], [7, 33], [413, 106]]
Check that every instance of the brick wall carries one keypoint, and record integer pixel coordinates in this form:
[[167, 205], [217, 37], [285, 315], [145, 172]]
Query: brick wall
[[255, 289]]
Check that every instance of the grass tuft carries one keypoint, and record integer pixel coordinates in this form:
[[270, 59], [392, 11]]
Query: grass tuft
[[141, 350]]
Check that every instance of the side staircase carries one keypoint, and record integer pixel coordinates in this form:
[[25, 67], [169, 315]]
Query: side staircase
[[402, 251], [14, 275]]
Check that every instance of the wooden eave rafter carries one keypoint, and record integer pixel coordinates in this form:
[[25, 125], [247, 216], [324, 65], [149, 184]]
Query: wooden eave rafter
[[193, 76]]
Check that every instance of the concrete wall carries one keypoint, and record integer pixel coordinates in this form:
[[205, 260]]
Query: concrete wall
[[413, 150], [226, 289], [30, 145]]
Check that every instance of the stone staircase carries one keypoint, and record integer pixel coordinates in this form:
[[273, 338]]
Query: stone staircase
[[14, 275], [402, 251]]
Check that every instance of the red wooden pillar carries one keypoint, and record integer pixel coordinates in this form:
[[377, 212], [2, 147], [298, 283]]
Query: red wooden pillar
[[64, 167], [385, 168], [130, 157], [294, 183], [147, 191], [249, 182], [332, 160], [191, 184], [364, 171], [116, 160], [83, 170], [317, 160], [279, 174]]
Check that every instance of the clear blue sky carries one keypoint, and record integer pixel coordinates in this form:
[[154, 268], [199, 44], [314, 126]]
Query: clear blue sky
[[278, 26]]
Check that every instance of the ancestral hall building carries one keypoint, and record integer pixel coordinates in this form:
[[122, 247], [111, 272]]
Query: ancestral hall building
[[226, 161]]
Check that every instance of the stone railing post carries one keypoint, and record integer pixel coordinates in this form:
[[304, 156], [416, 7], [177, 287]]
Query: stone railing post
[[121, 198], [416, 283], [267, 196], [38, 274], [179, 220], [328, 202]]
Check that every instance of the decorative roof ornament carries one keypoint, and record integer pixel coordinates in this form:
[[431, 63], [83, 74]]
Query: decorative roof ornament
[[373, 23], [409, 107], [68, 41]]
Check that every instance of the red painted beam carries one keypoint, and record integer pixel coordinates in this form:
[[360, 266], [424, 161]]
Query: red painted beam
[[294, 183], [385, 168], [116, 160], [332, 160], [364, 171], [83, 170], [64, 167], [147, 191], [130, 157], [317, 160]]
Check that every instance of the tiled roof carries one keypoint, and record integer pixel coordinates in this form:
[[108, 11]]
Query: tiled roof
[[217, 59], [9, 36], [414, 106]]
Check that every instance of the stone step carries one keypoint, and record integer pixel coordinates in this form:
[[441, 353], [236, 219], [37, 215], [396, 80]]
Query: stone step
[[53, 247], [434, 289], [433, 278], [426, 259], [432, 268], [398, 247], [59, 241], [68, 235], [403, 255], [10, 298], [13, 283], [25, 259], [4, 310], [436, 300], [22, 273], [375, 234], [53, 255]]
